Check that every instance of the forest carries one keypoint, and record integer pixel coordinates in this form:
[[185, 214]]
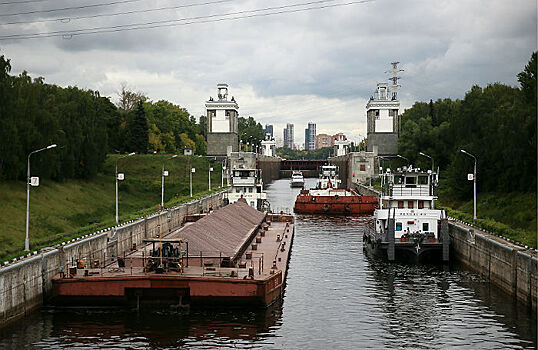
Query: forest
[[85, 126], [496, 124]]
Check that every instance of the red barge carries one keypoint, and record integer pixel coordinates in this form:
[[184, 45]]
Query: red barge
[[326, 198], [235, 255]]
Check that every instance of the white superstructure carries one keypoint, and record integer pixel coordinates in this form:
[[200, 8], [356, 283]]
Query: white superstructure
[[246, 185], [297, 179], [408, 197], [328, 177]]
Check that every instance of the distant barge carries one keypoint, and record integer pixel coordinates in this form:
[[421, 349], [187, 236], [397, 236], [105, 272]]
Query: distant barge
[[328, 199], [233, 256]]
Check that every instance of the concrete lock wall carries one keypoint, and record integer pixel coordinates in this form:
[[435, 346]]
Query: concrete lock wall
[[270, 167], [25, 284], [355, 167], [508, 266]]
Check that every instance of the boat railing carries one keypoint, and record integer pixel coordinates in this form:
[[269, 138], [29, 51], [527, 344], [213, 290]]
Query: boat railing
[[409, 190], [203, 263]]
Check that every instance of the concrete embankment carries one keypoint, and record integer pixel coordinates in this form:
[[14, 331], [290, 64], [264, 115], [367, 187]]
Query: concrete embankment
[[270, 167], [511, 267], [26, 284]]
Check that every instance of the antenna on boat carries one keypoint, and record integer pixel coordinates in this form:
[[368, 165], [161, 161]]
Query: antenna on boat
[[394, 87]]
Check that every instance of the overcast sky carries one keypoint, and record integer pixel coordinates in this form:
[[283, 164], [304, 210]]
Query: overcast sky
[[319, 65]]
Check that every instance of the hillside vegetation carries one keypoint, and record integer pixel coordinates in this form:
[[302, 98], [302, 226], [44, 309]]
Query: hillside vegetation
[[497, 125], [63, 210]]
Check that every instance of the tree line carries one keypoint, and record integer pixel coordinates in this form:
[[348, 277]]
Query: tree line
[[85, 126], [496, 124]]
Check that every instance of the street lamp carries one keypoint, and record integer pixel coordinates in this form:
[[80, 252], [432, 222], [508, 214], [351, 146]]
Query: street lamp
[[399, 156], [209, 177], [474, 182], [193, 170], [119, 177], [427, 156], [163, 174], [32, 182]]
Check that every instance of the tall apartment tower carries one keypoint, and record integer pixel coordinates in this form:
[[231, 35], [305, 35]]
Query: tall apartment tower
[[222, 132], [310, 137], [383, 119], [288, 136]]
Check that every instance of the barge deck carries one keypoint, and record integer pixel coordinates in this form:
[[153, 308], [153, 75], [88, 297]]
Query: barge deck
[[233, 256]]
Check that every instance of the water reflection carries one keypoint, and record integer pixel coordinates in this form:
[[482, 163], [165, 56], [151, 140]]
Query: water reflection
[[336, 297], [81, 329]]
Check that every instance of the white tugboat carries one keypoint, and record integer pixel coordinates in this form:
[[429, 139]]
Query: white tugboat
[[246, 184], [407, 223], [297, 179]]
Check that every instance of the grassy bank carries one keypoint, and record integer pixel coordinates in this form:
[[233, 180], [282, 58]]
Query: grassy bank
[[508, 214], [60, 211]]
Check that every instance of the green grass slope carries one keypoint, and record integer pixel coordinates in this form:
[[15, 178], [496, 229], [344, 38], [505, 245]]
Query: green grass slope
[[508, 214], [64, 210]]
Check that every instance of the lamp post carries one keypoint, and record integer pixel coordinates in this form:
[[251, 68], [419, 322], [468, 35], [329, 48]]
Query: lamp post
[[163, 174], [28, 183], [193, 170], [209, 177], [118, 178], [400, 156], [427, 156], [474, 183]]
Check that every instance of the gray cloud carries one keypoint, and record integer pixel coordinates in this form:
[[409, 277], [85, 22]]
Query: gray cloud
[[319, 65]]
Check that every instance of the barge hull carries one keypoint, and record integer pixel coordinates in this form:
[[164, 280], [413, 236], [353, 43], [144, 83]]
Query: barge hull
[[331, 205]]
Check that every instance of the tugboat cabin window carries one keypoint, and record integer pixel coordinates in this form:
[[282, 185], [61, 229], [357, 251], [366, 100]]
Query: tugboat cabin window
[[420, 204], [400, 204], [398, 179], [410, 181], [422, 180], [410, 204], [425, 227], [398, 226], [250, 189]]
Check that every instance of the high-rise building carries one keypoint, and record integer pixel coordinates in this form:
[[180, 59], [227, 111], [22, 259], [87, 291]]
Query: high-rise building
[[222, 131], [310, 137], [288, 136], [268, 130], [383, 120]]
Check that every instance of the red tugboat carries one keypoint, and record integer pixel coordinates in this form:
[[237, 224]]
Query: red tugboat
[[328, 199]]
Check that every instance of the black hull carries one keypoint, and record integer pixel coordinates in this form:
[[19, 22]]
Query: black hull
[[423, 252]]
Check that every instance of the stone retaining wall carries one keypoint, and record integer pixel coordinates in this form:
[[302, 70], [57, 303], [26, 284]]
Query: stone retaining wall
[[25, 284], [510, 267]]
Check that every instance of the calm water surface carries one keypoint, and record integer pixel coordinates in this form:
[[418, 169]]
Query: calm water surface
[[336, 297]]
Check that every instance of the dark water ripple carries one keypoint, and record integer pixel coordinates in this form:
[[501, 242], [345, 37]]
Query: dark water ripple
[[336, 298]]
